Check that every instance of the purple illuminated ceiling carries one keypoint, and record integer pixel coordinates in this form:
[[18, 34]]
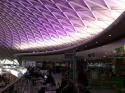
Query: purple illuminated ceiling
[[54, 24]]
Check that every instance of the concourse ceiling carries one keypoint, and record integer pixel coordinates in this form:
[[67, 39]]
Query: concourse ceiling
[[49, 25]]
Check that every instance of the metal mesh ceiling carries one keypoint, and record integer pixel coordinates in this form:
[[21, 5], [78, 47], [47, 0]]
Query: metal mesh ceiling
[[54, 24]]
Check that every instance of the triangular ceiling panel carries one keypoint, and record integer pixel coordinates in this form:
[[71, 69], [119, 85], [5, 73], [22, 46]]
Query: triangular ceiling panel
[[78, 7], [85, 15], [79, 2], [95, 5]]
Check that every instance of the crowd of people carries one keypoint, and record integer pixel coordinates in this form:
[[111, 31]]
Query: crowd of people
[[67, 85], [70, 86]]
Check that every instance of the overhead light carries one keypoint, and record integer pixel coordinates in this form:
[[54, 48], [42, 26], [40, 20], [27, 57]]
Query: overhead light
[[109, 35]]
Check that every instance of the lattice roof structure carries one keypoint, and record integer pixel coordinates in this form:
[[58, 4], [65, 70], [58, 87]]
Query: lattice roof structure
[[40, 25]]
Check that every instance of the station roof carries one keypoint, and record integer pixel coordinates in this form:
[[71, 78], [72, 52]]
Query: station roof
[[28, 26]]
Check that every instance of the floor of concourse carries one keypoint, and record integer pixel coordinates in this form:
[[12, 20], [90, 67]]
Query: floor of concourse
[[30, 88]]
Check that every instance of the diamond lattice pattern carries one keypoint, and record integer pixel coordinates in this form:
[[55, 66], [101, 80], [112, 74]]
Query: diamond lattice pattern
[[54, 24]]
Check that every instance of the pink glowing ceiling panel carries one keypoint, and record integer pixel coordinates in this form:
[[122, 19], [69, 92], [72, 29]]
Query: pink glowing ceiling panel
[[54, 24]]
